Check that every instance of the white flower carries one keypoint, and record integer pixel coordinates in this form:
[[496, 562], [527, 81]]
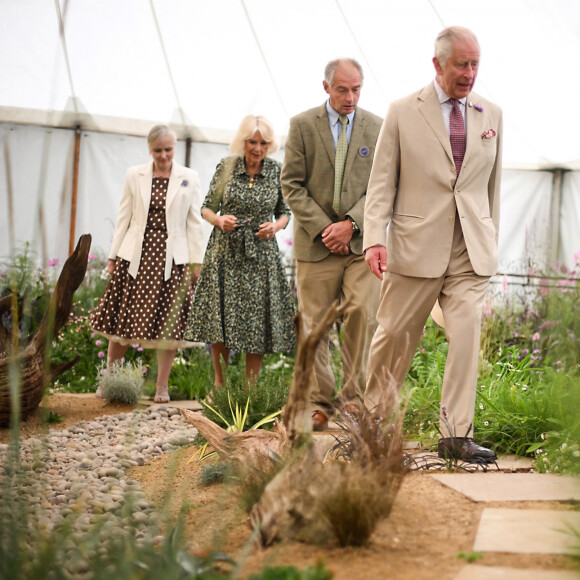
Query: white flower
[[486, 423], [524, 388], [539, 451], [563, 446], [576, 453], [543, 437], [481, 406]]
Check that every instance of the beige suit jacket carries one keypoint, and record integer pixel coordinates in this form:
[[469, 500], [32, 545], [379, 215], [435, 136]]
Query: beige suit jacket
[[413, 189], [185, 239], [308, 178]]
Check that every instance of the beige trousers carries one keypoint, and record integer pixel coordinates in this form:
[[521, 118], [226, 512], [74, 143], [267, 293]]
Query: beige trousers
[[405, 305], [348, 280]]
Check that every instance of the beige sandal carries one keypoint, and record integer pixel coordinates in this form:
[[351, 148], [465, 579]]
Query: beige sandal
[[161, 394]]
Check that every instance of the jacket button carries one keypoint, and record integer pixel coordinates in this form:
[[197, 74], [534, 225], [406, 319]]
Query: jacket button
[[451, 218]]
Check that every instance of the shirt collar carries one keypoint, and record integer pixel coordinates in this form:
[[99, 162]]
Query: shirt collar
[[333, 115], [443, 96]]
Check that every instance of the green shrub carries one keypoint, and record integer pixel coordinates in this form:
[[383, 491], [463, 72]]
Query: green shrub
[[122, 383]]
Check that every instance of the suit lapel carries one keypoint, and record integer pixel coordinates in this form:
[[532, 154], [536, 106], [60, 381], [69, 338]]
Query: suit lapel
[[173, 185], [356, 140], [474, 121], [145, 182], [430, 108], [323, 127]]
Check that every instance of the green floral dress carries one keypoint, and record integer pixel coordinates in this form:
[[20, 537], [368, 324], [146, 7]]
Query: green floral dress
[[242, 298]]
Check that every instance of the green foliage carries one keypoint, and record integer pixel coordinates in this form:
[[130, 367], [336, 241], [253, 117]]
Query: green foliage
[[192, 374], [52, 417], [470, 556], [317, 572], [122, 383], [31, 286], [528, 396], [237, 404]]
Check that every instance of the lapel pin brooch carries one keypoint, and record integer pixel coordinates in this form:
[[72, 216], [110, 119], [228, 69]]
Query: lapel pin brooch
[[184, 183]]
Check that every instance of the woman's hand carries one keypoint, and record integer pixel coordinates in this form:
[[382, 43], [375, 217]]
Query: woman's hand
[[111, 266], [267, 231], [226, 223]]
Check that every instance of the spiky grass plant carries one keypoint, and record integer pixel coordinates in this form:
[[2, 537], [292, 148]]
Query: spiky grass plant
[[122, 382], [362, 488], [254, 401]]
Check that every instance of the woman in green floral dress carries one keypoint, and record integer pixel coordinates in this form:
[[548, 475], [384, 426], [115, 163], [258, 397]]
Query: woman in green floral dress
[[242, 300]]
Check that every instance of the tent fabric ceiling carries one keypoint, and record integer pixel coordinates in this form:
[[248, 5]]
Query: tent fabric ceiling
[[208, 64]]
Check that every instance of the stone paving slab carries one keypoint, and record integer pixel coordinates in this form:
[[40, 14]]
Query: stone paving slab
[[477, 572], [528, 531], [512, 486]]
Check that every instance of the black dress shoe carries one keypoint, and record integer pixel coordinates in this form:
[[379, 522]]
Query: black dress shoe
[[466, 449]]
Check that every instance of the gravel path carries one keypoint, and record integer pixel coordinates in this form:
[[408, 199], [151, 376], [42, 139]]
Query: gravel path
[[77, 476]]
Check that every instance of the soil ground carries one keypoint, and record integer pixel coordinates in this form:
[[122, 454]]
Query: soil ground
[[429, 526]]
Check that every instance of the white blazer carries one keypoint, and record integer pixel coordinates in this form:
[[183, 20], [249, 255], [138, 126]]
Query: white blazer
[[185, 239]]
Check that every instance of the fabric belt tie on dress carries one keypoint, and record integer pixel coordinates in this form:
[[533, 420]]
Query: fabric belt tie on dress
[[244, 240]]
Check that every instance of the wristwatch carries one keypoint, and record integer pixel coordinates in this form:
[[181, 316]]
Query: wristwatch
[[355, 227]]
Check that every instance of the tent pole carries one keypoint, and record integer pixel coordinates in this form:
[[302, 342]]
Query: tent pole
[[188, 152], [555, 216], [75, 187]]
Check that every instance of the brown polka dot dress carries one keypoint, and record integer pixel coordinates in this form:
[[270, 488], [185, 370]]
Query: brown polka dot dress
[[147, 310]]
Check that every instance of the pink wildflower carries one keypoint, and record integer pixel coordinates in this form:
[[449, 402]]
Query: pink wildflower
[[101, 354], [536, 336], [98, 342], [53, 262], [92, 257]]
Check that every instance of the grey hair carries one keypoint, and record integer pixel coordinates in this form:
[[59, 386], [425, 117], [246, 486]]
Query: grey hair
[[446, 38], [249, 125], [333, 65], [158, 132]]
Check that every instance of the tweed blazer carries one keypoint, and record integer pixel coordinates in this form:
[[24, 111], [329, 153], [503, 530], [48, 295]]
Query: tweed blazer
[[308, 178], [413, 189], [185, 238]]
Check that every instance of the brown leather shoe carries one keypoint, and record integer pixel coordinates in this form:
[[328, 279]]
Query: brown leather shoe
[[319, 420], [466, 449]]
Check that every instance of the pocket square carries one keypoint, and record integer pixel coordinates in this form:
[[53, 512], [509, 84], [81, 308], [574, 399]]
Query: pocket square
[[489, 134]]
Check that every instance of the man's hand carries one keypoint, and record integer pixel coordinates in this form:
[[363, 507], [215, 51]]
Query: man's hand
[[336, 237], [376, 258]]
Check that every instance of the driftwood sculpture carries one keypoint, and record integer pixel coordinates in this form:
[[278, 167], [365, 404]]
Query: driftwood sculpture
[[26, 372], [306, 500], [254, 449]]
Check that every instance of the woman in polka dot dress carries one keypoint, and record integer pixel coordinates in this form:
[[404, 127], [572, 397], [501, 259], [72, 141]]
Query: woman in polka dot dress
[[155, 259], [243, 300]]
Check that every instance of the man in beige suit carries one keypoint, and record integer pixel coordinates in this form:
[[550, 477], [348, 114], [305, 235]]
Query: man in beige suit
[[440, 202], [328, 208]]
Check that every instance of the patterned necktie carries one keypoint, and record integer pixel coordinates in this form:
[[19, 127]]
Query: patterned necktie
[[457, 134], [339, 161]]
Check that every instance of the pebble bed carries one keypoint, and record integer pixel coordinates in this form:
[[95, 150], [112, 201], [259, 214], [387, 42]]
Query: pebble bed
[[78, 475]]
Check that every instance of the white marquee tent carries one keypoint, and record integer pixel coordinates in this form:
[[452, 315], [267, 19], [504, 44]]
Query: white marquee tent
[[82, 81]]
